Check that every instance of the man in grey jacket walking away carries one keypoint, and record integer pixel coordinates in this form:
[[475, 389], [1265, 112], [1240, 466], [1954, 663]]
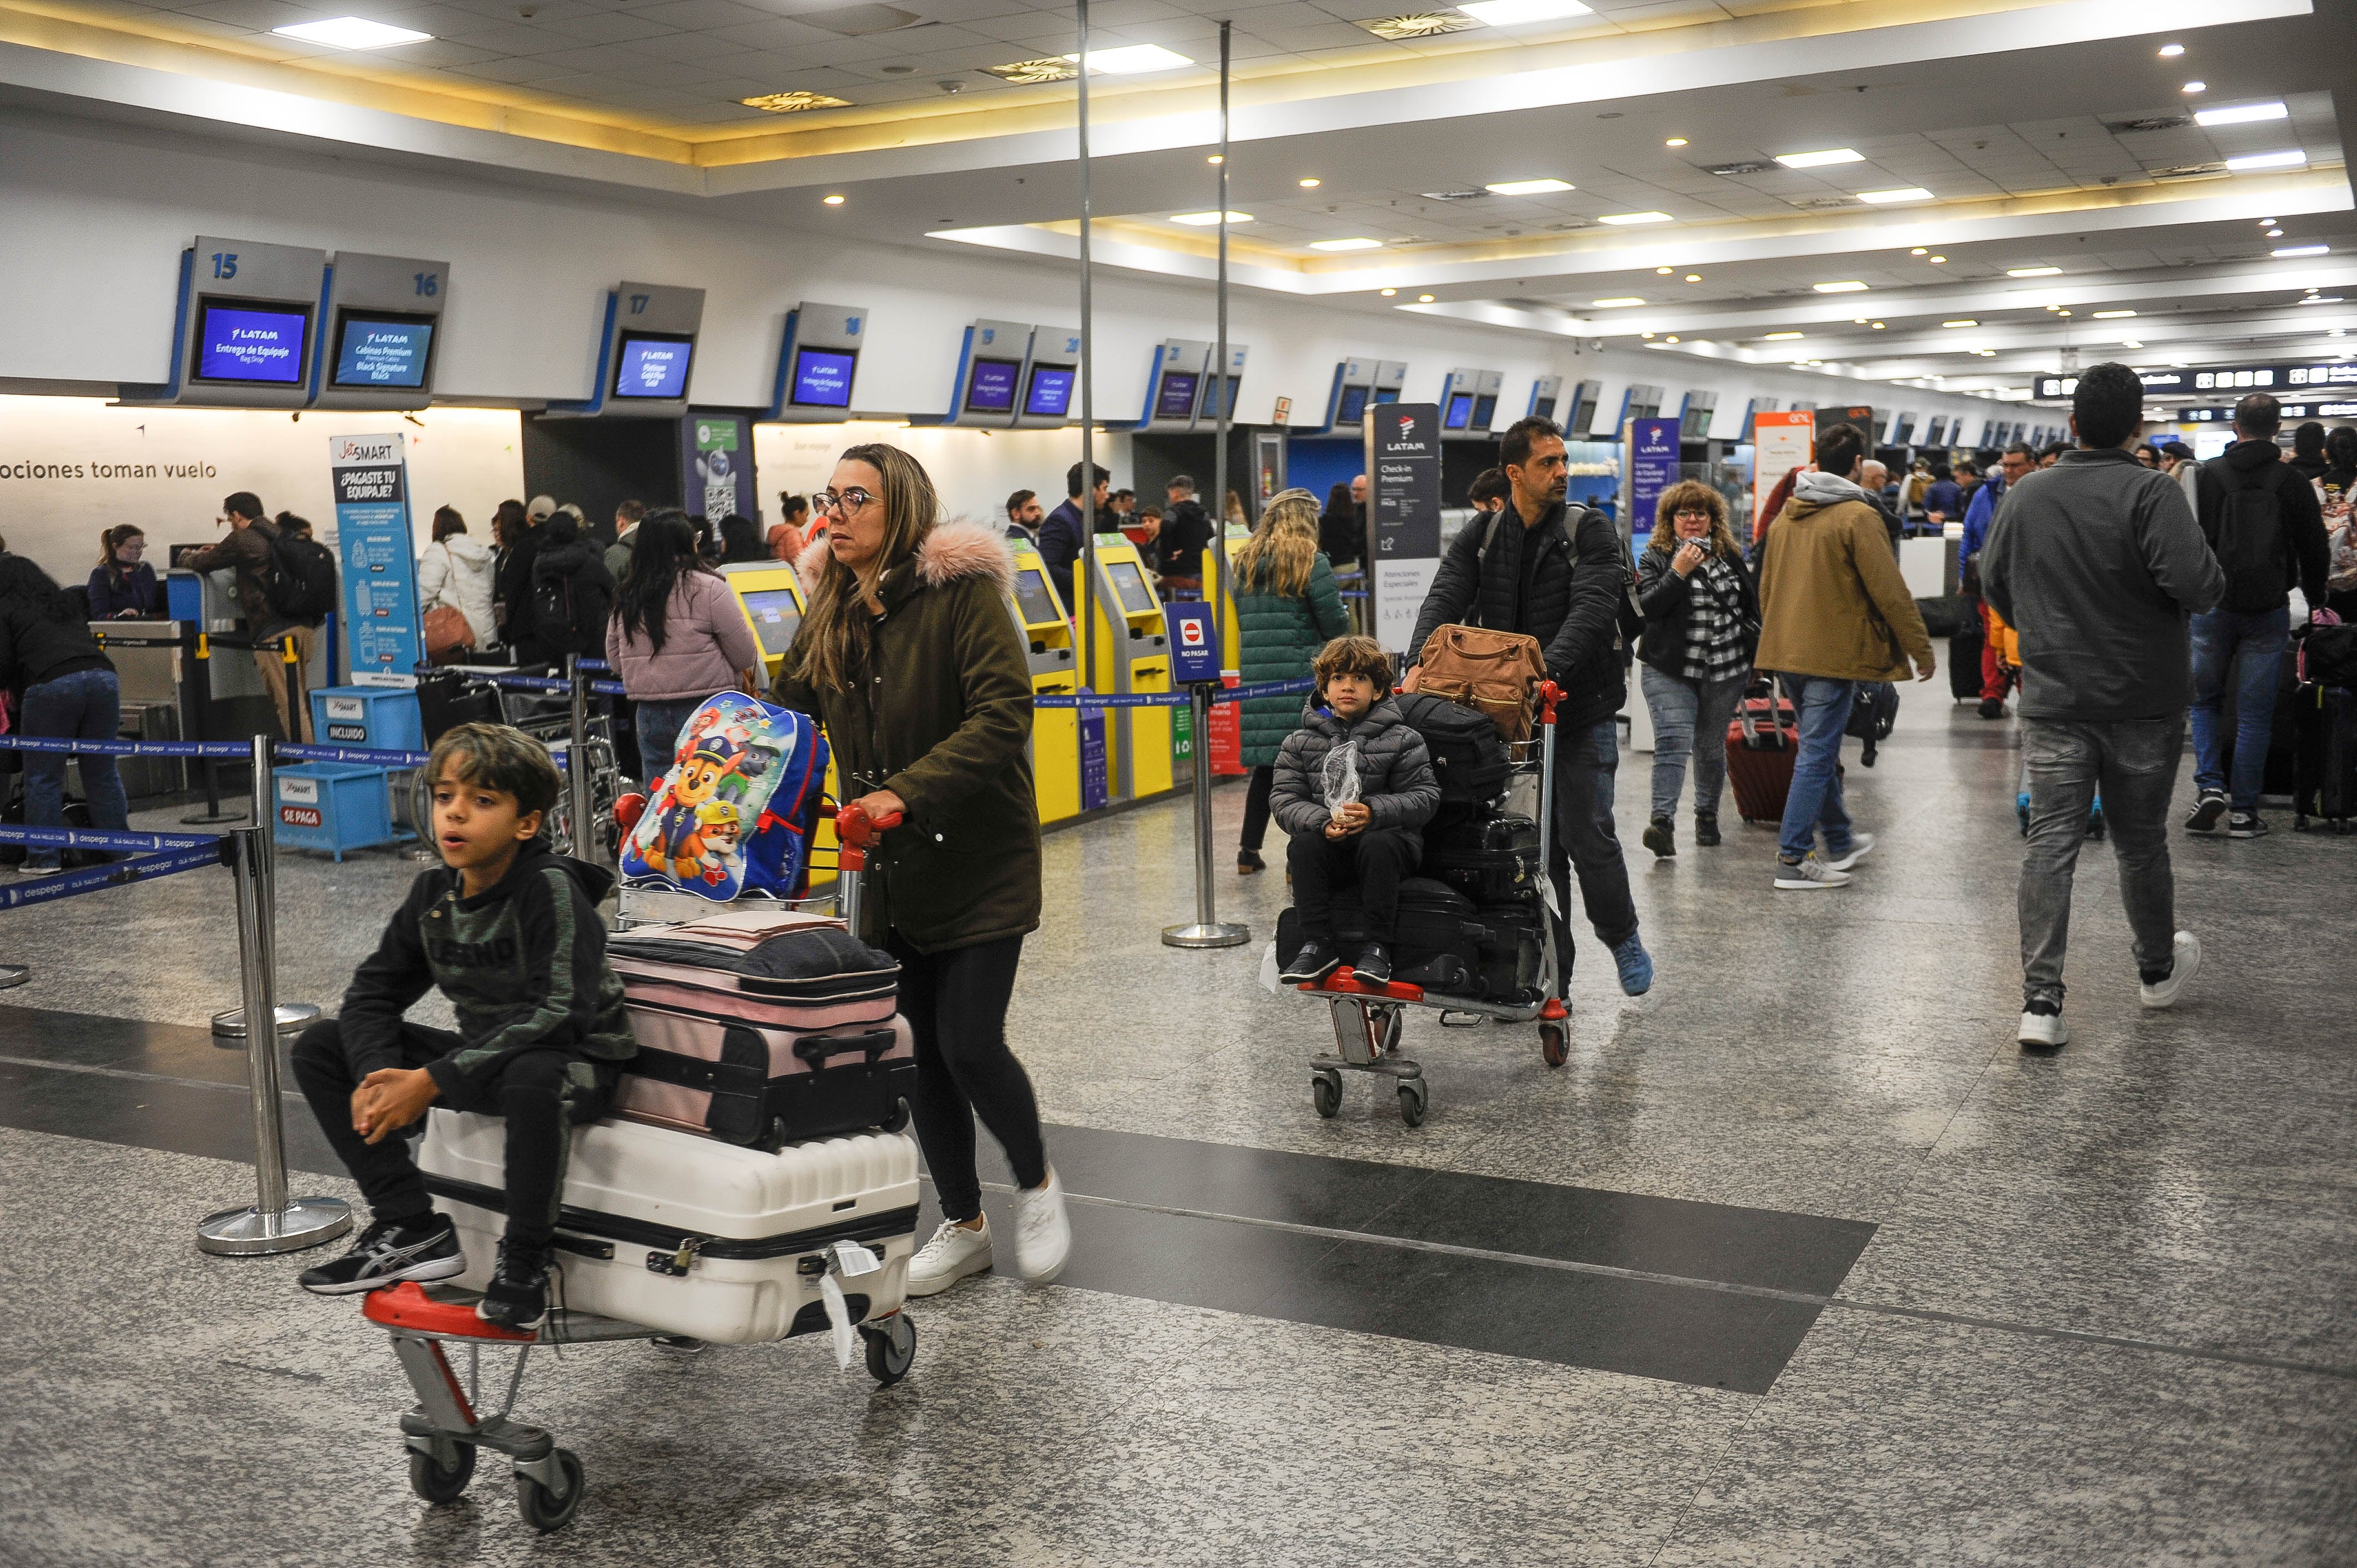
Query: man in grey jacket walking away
[[2099, 564]]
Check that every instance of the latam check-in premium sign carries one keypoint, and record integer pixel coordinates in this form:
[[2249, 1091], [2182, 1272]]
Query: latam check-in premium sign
[[1403, 515]]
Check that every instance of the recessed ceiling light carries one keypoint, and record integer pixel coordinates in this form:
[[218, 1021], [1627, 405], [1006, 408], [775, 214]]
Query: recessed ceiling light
[[1850, 285], [1664, 272], [1033, 72], [1388, 292], [2266, 222], [1694, 277], [1675, 142], [2032, 271], [1820, 159], [1904, 193], [2274, 233], [1308, 185], [1204, 219], [793, 102], [1918, 251], [1527, 186], [1672, 339], [1780, 337], [2292, 159], [1353, 245], [1423, 299], [2241, 115], [832, 200], [353, 33], [1967, 321], [1877, 327], [2130, 343], [1858, 320], [2114, 315], [1215, 158], [1132, 59], [1938, 260], [1513, 13], [2280, 251], [1419, 25], [2062, 313], [1635, 218], [2197, 87], [1616, 304], [2171, 51]]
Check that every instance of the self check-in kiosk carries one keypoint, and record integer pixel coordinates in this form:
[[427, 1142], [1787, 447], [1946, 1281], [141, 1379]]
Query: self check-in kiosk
[[380, 325], [1174, 387], [989, 374], [1052, 380], [242, 330], [1545, 393], [1047, 634], [1469, 402], [646, 355], [1207, 407], [1696, 414], [1581, 421], [818, 360], [771, 597], [1131, 651]]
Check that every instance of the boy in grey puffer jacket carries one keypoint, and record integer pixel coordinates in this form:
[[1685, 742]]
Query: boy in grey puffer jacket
[[1372, 841]]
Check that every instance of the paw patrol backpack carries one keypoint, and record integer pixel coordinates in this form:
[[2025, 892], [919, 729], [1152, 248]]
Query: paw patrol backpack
[[735, 811]]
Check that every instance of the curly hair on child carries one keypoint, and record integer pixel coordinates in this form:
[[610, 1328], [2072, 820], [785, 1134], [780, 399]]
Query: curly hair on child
[[1353, 656]]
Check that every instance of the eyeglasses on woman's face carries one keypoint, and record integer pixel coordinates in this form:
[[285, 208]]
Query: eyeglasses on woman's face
[[1693, 514], [845, 502]]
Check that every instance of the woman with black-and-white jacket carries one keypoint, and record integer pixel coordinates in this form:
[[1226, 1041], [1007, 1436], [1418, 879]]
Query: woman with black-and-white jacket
[[1702, 627]]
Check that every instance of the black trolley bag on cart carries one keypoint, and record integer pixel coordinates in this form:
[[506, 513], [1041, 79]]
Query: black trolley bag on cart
[[1492, 858], [1435, 944]]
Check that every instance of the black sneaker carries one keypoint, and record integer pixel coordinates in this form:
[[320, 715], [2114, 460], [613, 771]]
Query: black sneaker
[[1248, 862], [389, 1252], [2206, 811], [517, 1297], [2246, 825], [1661, 838], [1992, 707], [1706, 829], [1374, 965], [1313, 964]]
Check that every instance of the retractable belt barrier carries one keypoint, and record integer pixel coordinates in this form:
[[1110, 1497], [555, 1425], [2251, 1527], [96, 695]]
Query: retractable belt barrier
[[1173, 699], [223, 750], [66, 883]]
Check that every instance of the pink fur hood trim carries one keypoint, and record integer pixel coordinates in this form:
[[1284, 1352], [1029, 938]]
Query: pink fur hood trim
[[950, 551]]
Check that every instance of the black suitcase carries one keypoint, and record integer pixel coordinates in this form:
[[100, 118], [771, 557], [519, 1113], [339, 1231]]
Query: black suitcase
[[448, 698], [1491, 860], [2326, 793], [1436, 942], [1512, 949], [1965, 657], [1468, 758]]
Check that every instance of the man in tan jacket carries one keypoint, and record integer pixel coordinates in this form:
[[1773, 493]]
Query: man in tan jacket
[[1834, 611]]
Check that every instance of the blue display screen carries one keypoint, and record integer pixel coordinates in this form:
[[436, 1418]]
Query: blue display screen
[[257, 343], [1485, 409], [1353, 407], [990, 386], [1387, 394], [646, 365], [382, 353], [1176, 400], [1460, 409], [822, 377], [1051, 393]]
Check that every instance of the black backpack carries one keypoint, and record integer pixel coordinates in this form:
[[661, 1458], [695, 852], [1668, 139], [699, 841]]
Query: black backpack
[[302, 581], [569, 618], [1872, 717], [1467, 756], [2250, 543]]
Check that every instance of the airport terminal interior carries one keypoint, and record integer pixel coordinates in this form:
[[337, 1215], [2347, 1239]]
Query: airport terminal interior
[[1797, 1228]]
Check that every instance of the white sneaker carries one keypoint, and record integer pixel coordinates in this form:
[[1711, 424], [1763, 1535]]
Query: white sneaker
[[2187, 952], [953, 1254], [2043, 1031], [1860, 846], [1810, 875], [1043, 1236]]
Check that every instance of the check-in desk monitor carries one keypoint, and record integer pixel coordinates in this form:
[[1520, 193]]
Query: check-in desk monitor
[[1048, 648], [990, 385], [1131, 645], [1050, 393], [1352, 409]]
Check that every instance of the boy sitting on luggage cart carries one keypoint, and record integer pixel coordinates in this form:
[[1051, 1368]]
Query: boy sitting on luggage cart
[[1371, 840], [510, 933]]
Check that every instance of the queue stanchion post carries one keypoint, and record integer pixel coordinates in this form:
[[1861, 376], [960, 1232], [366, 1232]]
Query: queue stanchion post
[[293, 1017], [577, 766], [272, 1223], [1207, 930], [199, 706]]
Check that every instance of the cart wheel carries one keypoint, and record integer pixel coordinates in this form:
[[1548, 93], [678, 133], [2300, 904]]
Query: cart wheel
[[890, 1348], [1553, 1045], [1325, 1094], [543, 1510], [1413, 1098], [1392, 1021], [900, 1117], [437, 1485]]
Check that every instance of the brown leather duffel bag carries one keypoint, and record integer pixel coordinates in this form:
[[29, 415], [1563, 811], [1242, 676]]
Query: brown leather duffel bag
[[1491, 670]]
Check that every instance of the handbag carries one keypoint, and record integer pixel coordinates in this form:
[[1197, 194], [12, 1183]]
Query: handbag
[[1485, 670], [448, 638]]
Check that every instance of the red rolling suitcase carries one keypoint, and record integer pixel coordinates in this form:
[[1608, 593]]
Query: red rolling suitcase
[[1762, 743]]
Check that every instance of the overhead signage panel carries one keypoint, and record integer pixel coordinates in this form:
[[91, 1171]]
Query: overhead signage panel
[[380, 329]]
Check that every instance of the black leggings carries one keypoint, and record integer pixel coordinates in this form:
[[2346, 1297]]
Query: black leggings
[[955, 1002], [1257, 792]]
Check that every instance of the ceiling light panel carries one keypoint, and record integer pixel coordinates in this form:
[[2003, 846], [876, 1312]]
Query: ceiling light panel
[[1781, 337], [2033, 271], [353, 33], [2290, 158], [1905, 193], [1628, 218], [1528, 186], [1622, 304], [1847, 285], [1515, 13], [2286, 250], [1821, 159], [2114, 315], [1205, 220], [793, 102], [1033, 72], [2241, 115], [1967, 321], [1353, 245], [1132, 60]]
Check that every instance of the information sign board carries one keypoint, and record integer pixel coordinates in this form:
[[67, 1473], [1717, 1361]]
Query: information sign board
[[1653, 469], [1403, 458], [371, 478]]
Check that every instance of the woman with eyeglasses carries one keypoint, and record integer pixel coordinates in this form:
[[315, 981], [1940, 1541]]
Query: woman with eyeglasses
[[908, 656], [123, 587], [1702, 627]]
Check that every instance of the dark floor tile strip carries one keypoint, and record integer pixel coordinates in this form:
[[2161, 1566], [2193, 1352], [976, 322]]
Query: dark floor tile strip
[[239, 1087]]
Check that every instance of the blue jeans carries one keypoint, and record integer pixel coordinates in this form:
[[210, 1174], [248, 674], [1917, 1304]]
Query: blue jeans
[[659, 723], [2247, 650], [84, 706], [1822, 707], [1690, 720]]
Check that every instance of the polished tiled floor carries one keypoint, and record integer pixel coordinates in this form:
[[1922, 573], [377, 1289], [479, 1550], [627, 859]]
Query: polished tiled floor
[[1798, 1260]]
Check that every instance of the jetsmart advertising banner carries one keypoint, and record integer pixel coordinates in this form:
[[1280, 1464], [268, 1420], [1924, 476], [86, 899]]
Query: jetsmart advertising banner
[[372, 486]]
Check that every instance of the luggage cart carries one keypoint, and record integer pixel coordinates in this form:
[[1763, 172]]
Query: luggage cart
[[1369, 1019]]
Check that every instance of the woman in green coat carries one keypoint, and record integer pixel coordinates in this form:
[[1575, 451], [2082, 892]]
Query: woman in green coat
[[910, 659], [1287, 609]]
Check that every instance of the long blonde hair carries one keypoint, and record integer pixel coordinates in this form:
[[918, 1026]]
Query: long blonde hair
[[832, 641], [1687, 493], [1283, 550]]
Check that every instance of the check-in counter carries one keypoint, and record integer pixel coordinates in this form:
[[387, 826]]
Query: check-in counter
[[1047, 634]]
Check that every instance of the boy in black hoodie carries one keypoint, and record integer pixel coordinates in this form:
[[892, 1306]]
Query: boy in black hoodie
[[510, 933]]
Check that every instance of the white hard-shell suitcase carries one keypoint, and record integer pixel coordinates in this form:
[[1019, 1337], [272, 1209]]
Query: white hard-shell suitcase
[[690, 1236]]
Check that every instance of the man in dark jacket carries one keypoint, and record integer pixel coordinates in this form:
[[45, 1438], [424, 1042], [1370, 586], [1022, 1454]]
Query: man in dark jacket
[[572, 596], [1186, 529], [2099, 562], [519, 542], [1528, 572], [2263, 522], [246, 550], [1061, 535]]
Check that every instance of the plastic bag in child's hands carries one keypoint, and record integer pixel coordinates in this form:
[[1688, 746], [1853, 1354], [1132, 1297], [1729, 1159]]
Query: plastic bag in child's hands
[[1339, 781]]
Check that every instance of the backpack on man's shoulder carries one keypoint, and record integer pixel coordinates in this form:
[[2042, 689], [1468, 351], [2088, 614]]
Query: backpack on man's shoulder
[[301, 583], [2250, 543], [1630, 624]]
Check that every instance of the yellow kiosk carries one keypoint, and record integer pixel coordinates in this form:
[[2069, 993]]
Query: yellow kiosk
[[1047, 634], [771, 597], [1231, 637], [1131, 645]]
